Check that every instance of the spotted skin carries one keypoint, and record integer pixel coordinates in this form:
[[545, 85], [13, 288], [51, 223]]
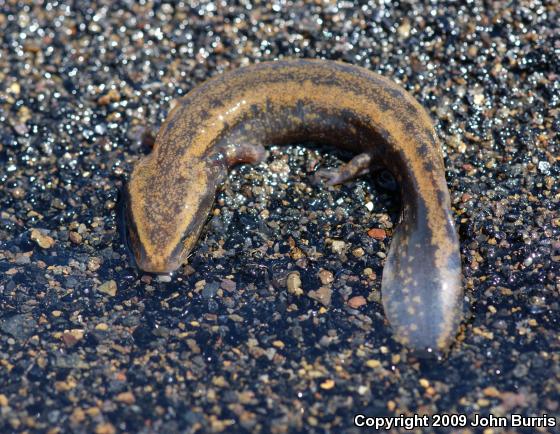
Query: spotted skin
[[227, 120]]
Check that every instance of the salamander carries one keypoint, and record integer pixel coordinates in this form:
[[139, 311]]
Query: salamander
[[229, 119]]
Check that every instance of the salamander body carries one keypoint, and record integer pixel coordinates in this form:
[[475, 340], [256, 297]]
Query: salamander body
[[227, 120]]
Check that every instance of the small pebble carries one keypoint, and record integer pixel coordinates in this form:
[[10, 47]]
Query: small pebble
[[327, 384], [294, 284], [44, 241], [356, 302], [325, 276], [126, 398], [338, 246], [322, 295], [378, 234], [75, 237], [109, 288]]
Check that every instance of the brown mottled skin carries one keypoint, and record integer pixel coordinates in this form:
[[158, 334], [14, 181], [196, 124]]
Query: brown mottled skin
[[228, 119]]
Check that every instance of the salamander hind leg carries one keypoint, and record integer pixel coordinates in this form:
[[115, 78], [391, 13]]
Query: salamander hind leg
[[356, 167], [245, 153]]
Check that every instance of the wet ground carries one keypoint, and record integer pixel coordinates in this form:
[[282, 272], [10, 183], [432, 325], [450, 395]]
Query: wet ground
[[276, 323]]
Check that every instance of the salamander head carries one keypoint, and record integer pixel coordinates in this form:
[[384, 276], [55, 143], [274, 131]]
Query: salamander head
[[164, 212]]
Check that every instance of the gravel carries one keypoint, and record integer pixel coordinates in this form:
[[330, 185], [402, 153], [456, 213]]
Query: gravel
[[276, 323]]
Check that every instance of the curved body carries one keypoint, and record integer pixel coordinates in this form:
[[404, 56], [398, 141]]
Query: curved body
[[227, 120]]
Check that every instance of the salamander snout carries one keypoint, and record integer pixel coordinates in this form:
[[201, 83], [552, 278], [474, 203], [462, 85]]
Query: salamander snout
[[158, 260]]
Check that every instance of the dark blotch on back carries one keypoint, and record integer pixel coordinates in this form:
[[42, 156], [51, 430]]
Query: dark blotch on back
[[429, 166], [423, 150]]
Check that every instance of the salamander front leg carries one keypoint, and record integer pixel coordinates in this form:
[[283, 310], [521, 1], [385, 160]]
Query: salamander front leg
[[357, 166]]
